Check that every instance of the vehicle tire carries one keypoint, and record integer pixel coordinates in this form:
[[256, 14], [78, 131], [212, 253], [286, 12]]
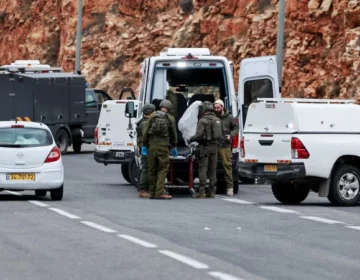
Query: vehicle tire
[[247, 181], [62, 140], [133, 173], [125, 172], [40, 192], [345, 186], [77, 147], [236, 186], [288, 193], [221, 187], [57, 194]]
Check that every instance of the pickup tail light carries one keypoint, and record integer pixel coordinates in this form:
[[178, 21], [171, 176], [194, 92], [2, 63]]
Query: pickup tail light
[[298, 150], [54, 155]]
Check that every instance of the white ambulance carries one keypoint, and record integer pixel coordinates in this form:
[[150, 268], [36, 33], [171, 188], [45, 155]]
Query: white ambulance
[[187, 75]]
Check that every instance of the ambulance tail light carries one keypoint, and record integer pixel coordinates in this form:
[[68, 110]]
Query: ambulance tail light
[[235, 140], [242, 147], [96, 136]]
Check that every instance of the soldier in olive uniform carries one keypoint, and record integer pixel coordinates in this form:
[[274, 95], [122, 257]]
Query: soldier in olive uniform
[[208, 135], [159, 131], [230, 128], [148, 109]]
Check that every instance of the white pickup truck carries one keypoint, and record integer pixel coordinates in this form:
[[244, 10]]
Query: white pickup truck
[[304, 144]]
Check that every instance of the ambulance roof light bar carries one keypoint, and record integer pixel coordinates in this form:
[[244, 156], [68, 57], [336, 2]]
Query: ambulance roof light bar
[[186, 51]]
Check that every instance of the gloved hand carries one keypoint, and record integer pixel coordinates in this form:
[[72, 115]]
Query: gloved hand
[[174, 152], [144, 151]]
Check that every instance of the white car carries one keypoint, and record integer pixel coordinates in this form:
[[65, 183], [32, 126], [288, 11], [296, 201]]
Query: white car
[[30, 159]]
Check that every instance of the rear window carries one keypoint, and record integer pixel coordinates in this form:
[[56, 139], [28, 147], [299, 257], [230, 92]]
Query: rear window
[[24, 137]]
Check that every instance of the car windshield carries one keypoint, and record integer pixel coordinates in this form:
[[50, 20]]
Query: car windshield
[[18, 137]]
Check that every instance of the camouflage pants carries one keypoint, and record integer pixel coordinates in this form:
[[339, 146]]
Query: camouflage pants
[[158, 168], [144, 177], [225, 156], [207, 167]]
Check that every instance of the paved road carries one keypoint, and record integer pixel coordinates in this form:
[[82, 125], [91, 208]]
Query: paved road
[[102, 230]]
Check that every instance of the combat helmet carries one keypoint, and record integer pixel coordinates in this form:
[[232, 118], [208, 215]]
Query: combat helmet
[[148, 109], [166, 104], [206, 106]]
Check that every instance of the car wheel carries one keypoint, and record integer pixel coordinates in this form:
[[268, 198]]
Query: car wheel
[[125, 172], [77, 147], [57, 194], [288, 193], [40, 193], [345, 186], [62, 141]]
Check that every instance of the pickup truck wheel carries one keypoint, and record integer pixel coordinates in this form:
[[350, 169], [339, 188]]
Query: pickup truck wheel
[[288, 193], [125, 172], [62, 140], [345, 186]]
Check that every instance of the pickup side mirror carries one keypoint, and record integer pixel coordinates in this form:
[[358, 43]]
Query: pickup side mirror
[[130, 110]]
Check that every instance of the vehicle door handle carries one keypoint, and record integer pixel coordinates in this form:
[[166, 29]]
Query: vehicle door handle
[[266, 142]]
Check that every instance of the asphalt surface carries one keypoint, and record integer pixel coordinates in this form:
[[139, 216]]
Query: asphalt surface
[[102, 230]]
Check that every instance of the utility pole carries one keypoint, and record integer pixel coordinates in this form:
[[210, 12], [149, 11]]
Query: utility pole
[[78, 38], [280, 40]]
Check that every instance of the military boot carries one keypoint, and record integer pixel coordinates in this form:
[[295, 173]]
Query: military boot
[[144, 194], [163, 196], [200, 195], [210, 195]]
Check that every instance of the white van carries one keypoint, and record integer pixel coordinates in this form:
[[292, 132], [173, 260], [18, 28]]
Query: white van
[[186, 75]]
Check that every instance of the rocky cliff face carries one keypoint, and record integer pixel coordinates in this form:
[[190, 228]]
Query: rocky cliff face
[[322, 38]]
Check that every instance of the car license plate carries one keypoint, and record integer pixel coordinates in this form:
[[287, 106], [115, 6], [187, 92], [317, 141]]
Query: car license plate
[[270, 168], [119, 154], [20, 177]]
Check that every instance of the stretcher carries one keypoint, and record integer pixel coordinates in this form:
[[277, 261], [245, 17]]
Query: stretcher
[[185, 156]]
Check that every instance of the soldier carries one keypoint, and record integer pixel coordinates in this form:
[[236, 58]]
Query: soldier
[[208, 135], [230, 128], [160, 129], [148, 109]]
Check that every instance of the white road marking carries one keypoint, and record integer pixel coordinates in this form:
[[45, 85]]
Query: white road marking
[[239, 228], [354, 227], [137, 241], [223, 276], [278, 209], [322, 220], [186, 260], [99, 227], [38, 203], [235, 200], [206, 228], [14, 193], [64, 213]]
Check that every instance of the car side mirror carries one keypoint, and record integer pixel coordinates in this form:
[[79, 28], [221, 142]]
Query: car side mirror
[[130, 110]]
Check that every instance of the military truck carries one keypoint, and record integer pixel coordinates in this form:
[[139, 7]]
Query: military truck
[[33, 91]]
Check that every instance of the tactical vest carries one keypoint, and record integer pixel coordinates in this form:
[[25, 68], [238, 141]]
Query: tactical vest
[[160, 124], [214, 130]]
